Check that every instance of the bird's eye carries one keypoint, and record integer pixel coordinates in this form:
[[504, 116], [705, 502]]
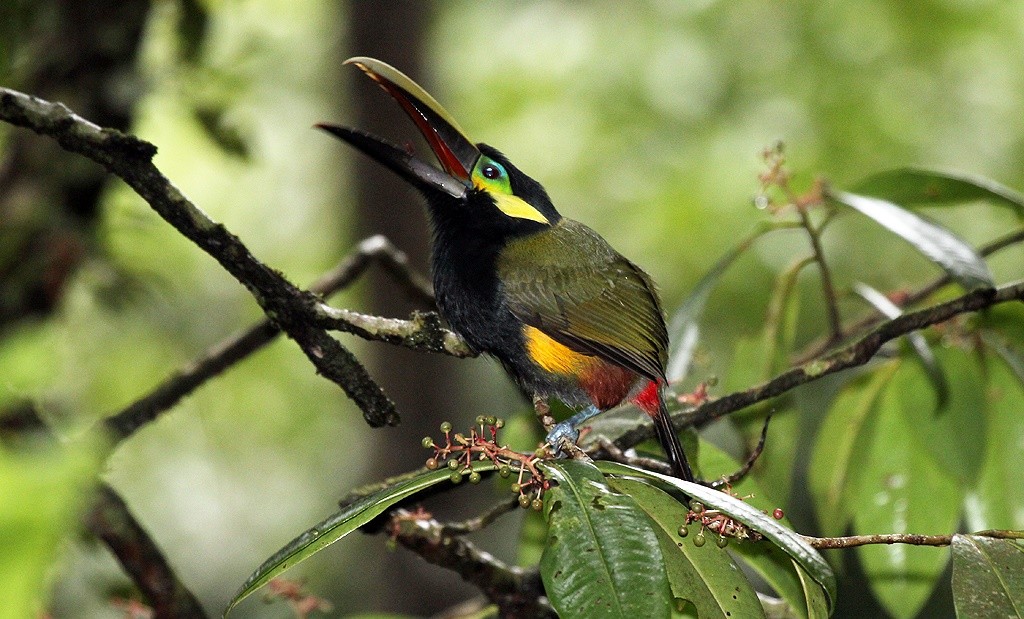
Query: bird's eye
[[491, 171]]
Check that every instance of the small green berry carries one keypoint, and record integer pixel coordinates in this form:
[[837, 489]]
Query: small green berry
[[446, 427], [474, 477], [722, 542], [524, 501], [516, 487], [427, 442], [455, 477], [453, 464], [491, 420], [684, 531], [698, 539], [505, 471], [696, 506], [537, 505], [432, 464], [480, 419], [499, 423]]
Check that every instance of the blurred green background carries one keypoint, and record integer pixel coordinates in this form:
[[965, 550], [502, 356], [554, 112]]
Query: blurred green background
[[645, 120]]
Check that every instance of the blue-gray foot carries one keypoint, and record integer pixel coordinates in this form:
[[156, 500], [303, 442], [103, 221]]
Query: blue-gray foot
[[563, 436]]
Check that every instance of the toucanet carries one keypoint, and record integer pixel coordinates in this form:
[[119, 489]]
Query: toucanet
[[566, 315]]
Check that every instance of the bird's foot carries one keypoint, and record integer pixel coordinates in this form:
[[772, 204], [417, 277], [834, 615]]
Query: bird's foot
[[562, 436]]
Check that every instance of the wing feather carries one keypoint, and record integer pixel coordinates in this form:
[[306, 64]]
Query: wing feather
[[570, 284]]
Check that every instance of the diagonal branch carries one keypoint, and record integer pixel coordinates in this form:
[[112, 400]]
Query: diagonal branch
[[237, 347], [853, 355], [290, 308], [110, 520], [517, 592]]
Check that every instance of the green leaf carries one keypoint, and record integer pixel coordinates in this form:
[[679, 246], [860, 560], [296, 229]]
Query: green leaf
[[683, 327], [841, 448], [43, 489], [934, 187], [748, 367], [339, 525], [940, 245], [923, 352], [770, 563], [903, 491], [817, 603], [789, 541], [705, 575], [997, 502], [955, 438], [988, 577], [602, 558]]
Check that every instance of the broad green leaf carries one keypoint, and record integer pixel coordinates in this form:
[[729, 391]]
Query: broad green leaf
[[750, 366], [770, 563], [997, 502], [43, 488], [934, 187], [1005, 322], [1013, 358], [683, 327], [817, 603], [940, 245], [789, 541], [903, 491], [781, 319], [955, 437], [841, 448], [705, 575], [988, 577], [923, 352], [602, 558], [339, 525]]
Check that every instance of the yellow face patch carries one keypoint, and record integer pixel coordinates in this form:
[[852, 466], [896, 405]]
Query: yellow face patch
[[514, 206], [552, 356]]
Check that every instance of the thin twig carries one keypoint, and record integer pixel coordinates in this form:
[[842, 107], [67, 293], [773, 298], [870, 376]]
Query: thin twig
[[828, 289], [422, 332], [748, 464], [820, 346], [852, 541], [290, 308], [237, 347], [517, 592], [853, 355], [483, 520]]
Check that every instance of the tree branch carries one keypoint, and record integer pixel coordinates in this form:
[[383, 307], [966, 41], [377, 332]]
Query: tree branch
[[852, 541], [853, 355], [237, 347], [516, 591], [291, 309], [821, 345], [110, 520]]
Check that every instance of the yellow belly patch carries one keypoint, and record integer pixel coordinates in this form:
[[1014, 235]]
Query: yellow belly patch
[[553, 356]]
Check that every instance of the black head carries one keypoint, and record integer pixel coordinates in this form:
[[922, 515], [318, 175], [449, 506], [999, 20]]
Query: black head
[[478, 190]]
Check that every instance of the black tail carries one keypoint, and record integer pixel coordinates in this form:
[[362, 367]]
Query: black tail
[[670, 441]]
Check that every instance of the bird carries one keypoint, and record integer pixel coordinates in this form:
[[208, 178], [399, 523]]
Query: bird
[[566, 315]]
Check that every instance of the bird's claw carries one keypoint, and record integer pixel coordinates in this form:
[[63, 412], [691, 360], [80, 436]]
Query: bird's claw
[[562, 438]]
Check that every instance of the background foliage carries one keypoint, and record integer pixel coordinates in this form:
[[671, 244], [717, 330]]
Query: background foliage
[[646, 121]]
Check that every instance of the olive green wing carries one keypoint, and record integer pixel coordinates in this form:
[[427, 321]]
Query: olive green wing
[[571, 285]]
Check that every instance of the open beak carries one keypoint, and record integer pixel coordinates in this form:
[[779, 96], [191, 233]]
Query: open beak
[[455, 152]]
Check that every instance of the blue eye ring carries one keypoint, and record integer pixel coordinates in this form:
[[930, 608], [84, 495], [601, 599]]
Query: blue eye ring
[[492, 171]]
